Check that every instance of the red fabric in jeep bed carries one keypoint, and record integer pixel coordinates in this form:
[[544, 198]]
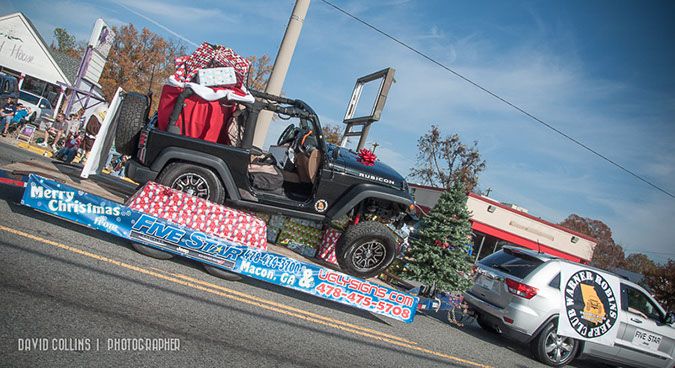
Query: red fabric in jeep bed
[[200, 119]]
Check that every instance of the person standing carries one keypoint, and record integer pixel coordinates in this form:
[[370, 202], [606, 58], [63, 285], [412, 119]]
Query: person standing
[[90, 132]]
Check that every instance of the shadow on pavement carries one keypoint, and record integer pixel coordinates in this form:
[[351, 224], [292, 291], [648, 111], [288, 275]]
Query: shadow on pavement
[[170, 326], [472, 328]]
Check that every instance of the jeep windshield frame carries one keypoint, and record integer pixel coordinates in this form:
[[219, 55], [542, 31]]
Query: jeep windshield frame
[[283, 106]]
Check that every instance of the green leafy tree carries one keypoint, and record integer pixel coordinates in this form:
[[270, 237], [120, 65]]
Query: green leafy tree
[[439, 253], [66, 43]]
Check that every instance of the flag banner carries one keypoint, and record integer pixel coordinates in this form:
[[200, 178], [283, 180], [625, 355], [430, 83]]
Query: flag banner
[[74, 205], [590, 304]]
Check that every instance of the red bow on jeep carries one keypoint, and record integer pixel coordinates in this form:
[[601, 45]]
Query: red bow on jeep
[[367, 157]]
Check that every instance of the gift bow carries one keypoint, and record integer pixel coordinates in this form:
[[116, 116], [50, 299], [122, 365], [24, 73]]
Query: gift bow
[[367, 157]]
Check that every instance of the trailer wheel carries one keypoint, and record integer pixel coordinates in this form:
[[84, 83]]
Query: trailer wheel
[[152, 252], [192, 179], [366, 249], [133, 114], [220, 273]]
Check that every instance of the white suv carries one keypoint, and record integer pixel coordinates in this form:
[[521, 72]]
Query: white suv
[[516, 292]]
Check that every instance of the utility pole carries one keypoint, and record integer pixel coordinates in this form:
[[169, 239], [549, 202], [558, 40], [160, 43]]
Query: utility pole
[[375, 145], [281, 64]]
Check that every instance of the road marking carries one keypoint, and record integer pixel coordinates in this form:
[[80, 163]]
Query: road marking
[[248, 299], [283, 306]]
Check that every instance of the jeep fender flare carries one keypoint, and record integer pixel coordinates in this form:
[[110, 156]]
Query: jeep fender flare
[[199, 158], [361, 192]]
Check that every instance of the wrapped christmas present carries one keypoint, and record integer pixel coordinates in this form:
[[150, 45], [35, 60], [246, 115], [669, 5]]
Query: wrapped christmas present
[[302, 249], [200, 215], [326, 250], [294, 231]]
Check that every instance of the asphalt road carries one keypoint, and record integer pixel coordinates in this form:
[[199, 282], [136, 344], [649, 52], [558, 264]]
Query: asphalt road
[[88, 294]]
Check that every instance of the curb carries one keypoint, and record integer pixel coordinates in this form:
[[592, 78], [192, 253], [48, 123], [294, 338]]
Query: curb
[[38, 150]]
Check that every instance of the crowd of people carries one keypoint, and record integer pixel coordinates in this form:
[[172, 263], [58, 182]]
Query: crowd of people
[[13, 115], [65, 136]]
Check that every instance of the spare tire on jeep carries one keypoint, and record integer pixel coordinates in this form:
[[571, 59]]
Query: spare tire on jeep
[[133, 113], [366, 249]]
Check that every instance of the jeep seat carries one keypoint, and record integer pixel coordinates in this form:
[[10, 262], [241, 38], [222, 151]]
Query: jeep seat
[[308, 165]]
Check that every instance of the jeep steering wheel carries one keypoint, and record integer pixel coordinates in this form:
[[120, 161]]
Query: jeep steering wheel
[[288, 135]]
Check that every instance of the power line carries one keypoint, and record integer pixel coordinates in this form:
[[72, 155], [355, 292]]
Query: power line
[[475, 84]]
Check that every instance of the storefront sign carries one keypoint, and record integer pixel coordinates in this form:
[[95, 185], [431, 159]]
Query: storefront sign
[[95, 212], [590, 304], [22, 50]]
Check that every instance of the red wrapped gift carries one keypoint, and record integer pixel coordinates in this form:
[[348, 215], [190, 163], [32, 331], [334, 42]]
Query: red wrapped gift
[[327, 249], [200, 215], [209, 56], [206, 120]]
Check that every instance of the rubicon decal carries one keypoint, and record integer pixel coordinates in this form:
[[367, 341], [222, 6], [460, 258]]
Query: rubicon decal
[[378, 179], [590, 304]]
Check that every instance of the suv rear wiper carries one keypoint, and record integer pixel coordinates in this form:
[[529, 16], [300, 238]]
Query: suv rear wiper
[[500, 267]]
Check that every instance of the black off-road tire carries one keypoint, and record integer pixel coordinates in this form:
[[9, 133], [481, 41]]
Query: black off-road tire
[[352, 245], [133, 114], [152, 252], [179, 172], [538, 346], [220, 273]]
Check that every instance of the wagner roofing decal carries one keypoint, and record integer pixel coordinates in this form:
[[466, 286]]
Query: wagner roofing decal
[[590, 305]]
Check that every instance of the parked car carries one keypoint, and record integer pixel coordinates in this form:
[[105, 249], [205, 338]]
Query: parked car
[[517, 293], [9, 88], [40, 105]]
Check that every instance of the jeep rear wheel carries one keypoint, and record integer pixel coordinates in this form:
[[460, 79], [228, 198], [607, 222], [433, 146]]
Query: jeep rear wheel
[[366, 249], [194, 180]]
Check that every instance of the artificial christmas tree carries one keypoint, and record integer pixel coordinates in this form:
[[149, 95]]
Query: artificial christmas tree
[[439, 253]]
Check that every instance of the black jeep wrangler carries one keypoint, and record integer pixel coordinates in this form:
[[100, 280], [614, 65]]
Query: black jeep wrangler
[[301, 176]]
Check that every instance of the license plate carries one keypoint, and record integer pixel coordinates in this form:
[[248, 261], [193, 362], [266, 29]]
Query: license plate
[[485, 282], [646, 340]]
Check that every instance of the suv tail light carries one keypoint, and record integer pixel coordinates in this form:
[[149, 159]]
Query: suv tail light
[[520, 289]]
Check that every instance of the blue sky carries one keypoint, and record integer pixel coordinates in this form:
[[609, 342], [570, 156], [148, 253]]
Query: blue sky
[[601, 71]]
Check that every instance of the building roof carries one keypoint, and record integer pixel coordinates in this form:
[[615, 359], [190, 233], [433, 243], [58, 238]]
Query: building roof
[[508, 208], [69, 65], [43, 63]]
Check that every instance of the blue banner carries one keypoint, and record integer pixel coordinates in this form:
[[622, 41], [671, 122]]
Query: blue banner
[[97, 213]]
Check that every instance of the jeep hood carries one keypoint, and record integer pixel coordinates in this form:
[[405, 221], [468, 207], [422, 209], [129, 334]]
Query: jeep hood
[[379, 173]]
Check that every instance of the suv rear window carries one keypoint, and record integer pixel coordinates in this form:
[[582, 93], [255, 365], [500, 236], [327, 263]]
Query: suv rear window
[[513, 263]]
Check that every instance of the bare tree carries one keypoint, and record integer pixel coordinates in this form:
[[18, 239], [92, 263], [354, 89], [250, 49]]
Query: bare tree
[[260, 72], [332, 133], [442, 161]]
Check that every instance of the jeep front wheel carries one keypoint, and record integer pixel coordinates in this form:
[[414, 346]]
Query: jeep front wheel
[[366, 249]]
